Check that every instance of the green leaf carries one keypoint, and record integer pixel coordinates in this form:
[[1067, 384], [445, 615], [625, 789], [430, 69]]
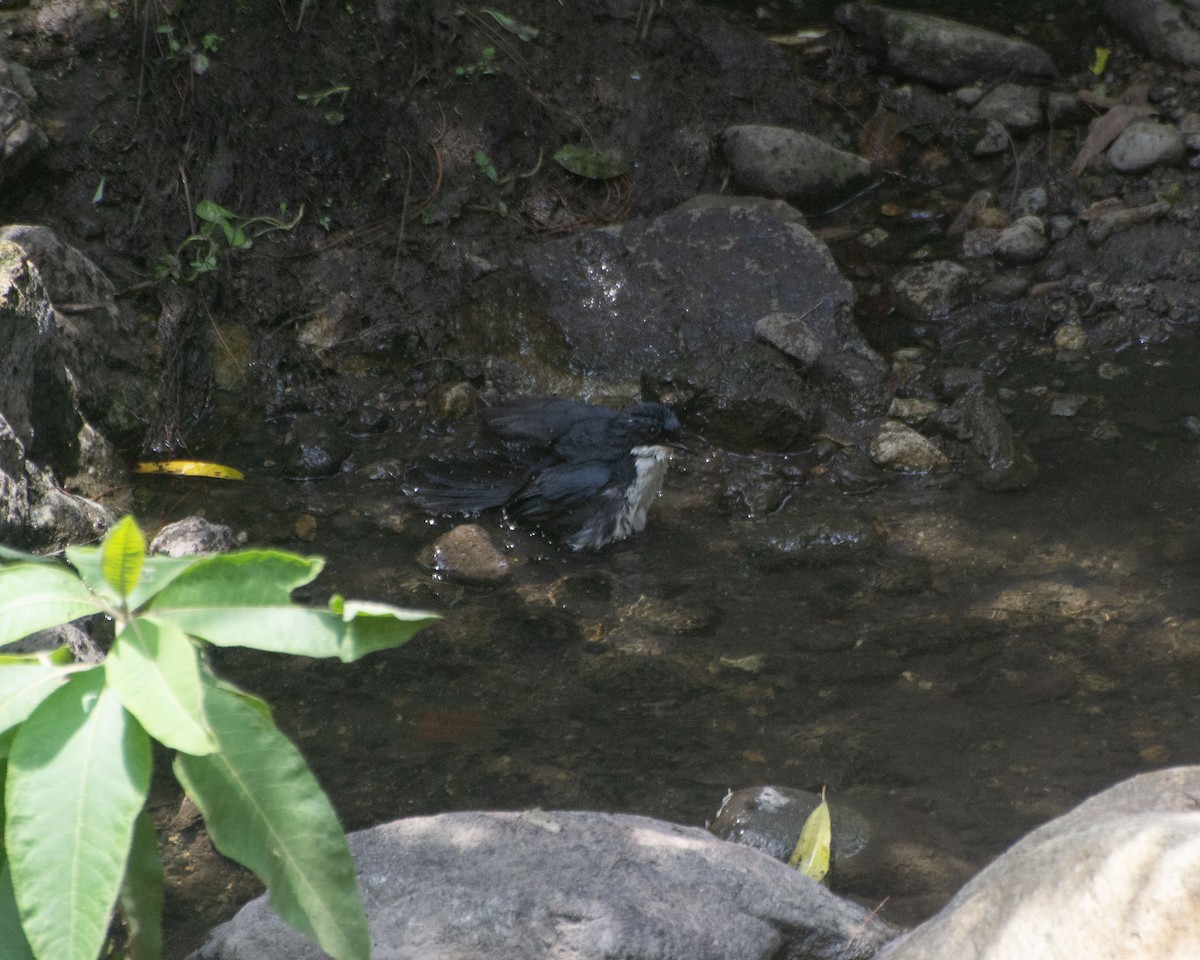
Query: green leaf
[[34, 596], [157, 572], [11, 553], [141, 896], [155, 670], [811, 855], [77, 776], [26, 680], [591, 162], [298, 630], [243, 600], [212, 212], [16, 947], [521, 30], [248, 577], [121, 557], [264, 809]]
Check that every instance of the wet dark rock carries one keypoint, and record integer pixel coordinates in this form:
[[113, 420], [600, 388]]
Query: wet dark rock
[[770, 819], [795, 540], [746, 398], [1146, 143], [193, 536], [1023, 242], [70, 635], [316, 449], [1004, 289], [927, 292], [955, 382], [1001, 460], [749, 490], [941, 51], [368, 420], [526, 884], [1124, 866], [790, 334], [45, 433], [901, 449], [994, 139], [453, 401], [467, 553], [912, 410], [23, 139], [1015, 106], [780, 162], [1160, 27], [665, 301], [390, 468]]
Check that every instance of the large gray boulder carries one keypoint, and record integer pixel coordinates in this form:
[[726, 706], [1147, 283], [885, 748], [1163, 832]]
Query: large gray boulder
[[1117, 878], [579, 885], [1163, 28], [672, 303], [941, 51], [47, 442]]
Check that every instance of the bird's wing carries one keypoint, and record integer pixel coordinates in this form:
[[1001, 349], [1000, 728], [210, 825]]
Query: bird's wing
[[541, 419], [562, 486]]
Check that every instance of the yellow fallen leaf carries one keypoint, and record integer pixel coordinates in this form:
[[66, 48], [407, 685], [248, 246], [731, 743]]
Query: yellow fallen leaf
[[189, 468], [1100, 64], [811, 856]]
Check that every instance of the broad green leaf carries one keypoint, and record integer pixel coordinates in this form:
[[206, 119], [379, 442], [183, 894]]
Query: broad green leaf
[[34, 596], [121, 557], [593, 163], [141, 897], [298, 630], [157, 572], [264, 809], [155, 670], [26, 680], [811, 855], [77, 777], [16, 947], [245, 578]]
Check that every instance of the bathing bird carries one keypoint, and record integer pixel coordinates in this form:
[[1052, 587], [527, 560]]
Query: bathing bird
[[587, 473]]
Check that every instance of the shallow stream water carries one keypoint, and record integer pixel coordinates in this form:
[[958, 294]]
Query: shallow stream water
[[958, 665]]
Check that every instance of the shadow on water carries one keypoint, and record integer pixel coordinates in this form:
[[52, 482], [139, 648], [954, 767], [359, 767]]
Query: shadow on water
[[961, 665]]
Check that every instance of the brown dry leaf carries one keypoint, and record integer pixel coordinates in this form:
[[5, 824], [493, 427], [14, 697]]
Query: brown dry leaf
[[1107, 127]]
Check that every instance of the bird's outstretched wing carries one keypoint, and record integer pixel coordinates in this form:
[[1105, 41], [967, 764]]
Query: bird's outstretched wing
[[541, 419]]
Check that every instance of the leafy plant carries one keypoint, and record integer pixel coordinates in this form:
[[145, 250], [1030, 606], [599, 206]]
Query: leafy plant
[[484, 163], [75, 743], [201, 249], [483, 67], [197, 56]]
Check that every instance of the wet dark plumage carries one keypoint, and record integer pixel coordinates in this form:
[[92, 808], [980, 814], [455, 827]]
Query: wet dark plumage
[[588, 473]]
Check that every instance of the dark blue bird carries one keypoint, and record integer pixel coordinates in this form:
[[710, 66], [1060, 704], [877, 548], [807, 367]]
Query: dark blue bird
[[588, 473]]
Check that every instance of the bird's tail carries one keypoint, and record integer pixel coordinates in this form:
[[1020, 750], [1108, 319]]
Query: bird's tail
[[437, 493]]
